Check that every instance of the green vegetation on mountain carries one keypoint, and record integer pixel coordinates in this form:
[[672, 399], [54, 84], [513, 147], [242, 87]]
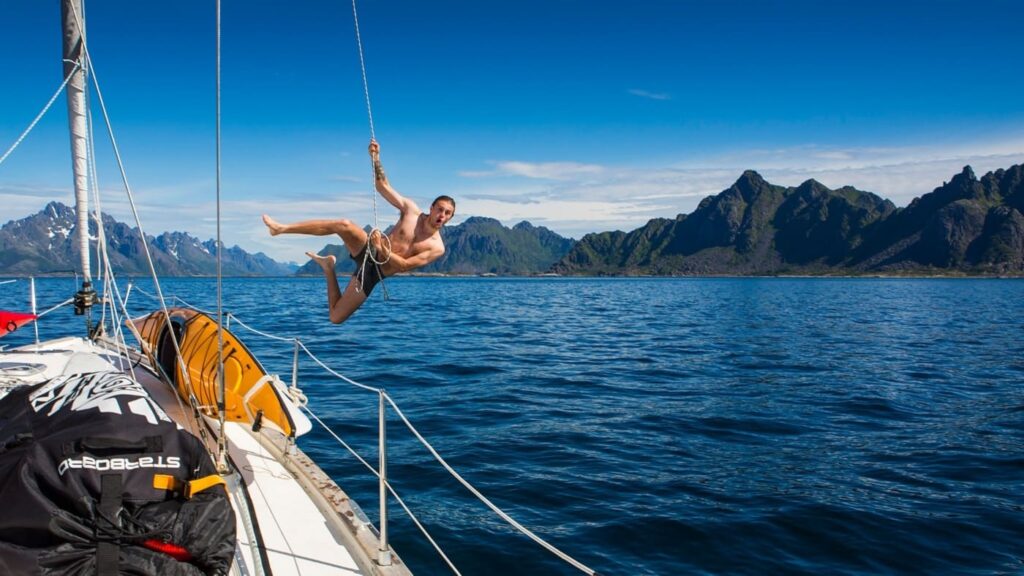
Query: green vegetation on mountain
[[966, 226]]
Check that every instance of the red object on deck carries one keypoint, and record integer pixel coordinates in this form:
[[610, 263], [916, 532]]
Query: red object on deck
[[172, 550], [11, 321]]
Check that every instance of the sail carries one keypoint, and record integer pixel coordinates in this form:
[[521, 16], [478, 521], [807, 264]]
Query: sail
[[73, 20], [250, 393]]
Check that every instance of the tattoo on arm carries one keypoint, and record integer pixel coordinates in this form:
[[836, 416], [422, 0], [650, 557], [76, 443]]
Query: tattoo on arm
[[378, 171]]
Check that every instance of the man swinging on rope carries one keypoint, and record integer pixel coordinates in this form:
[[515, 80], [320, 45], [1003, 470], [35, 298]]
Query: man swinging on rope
[[414, 241]]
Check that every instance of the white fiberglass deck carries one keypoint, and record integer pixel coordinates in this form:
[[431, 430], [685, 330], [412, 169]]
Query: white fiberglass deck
[[298, 532], [295, 536]]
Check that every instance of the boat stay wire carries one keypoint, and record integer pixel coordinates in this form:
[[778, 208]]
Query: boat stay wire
[[42, 112], [87, 59], [487, 502], [382, 393]]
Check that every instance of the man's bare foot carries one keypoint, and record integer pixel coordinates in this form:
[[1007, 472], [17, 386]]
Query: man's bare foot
[[325, 262], [273, 226]]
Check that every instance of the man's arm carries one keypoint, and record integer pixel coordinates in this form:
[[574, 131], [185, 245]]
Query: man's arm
[[401, 264], [380, 180]]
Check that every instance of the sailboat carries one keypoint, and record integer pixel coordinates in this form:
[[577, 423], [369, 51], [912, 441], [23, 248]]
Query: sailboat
[[173, 455]]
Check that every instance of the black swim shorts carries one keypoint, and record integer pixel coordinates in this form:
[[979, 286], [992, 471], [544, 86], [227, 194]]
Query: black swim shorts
[[373, 275]]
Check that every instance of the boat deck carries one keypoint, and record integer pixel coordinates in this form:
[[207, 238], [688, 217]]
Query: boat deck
[[291, 518]]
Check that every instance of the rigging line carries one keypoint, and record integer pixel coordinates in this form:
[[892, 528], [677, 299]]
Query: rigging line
[[179, 299], [110, 282], [41, 113], [335, 374], [362, 67], [107, 273], [264, 334], [582, 567], [221, 392], [310, 354], [64, 303], [390, 489], [366, 93], [131, 201]]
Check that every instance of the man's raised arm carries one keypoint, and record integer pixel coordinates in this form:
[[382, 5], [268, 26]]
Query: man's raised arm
[[380, 180]]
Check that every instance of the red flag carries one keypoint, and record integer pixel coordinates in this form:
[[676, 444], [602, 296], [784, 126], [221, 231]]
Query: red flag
[[11, 321]]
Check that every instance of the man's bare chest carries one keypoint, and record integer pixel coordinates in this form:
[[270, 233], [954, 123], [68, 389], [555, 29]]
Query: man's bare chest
[[404, 238]]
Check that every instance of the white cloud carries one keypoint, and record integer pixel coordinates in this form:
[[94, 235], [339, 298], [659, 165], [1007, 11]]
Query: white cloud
[[650, 95], [537, 170], [572, 197], [603, 198]]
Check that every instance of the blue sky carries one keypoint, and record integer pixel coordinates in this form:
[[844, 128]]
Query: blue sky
[[582, 116]]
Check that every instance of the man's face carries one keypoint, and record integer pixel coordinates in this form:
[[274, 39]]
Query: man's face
[[441, 212]]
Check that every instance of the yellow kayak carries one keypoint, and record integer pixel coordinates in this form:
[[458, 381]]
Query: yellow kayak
[[251, 394]]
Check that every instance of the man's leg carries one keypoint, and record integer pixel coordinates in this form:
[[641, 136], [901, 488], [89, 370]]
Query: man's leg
[[351, 234], [339, 306]]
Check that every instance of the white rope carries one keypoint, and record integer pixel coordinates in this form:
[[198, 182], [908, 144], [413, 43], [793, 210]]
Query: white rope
[[362, 67], [7, 281], [64, 303], [369, 255], [42, 113], [398, 498], [107, 273], [221, 390], [131, 201], [582, 567], [366, 93], [177, 299], [335, 374], [370, 258], [441, 460], [264, 334]]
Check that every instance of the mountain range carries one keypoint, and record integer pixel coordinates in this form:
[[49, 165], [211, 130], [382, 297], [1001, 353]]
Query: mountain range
[[967, 226], [480, 246], [44, 243]]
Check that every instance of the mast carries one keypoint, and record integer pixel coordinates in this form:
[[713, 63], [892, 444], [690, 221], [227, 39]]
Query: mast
[[75, 65]]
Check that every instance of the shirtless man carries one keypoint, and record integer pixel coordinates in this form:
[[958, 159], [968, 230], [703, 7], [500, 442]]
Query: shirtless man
[[415, 241]]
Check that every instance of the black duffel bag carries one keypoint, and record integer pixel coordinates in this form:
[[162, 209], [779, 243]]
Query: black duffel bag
[[96, 479]]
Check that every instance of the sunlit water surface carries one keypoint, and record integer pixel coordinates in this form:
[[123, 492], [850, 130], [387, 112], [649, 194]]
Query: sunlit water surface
[[665, 426]]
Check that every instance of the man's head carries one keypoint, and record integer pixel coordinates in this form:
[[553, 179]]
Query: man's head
[[441, 211]]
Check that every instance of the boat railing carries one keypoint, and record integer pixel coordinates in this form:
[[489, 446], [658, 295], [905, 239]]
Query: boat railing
[[383, 400], [385, 487], [32, 304]]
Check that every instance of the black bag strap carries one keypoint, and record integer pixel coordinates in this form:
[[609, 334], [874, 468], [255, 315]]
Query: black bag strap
[[101, 446], [108, 549]]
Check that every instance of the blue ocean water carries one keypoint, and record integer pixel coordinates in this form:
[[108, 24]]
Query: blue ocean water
[[668, 426]]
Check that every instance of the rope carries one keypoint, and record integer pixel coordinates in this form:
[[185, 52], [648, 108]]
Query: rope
[[366, 93], [524, 530], [370, 258], [362, 67], [221, 390], [131, 201], [42, 113], [177, 299], [569, 559], [264, 334], [391, 490], [64, 303], [369, 255]]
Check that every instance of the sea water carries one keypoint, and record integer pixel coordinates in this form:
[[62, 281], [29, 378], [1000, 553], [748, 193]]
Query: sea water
[[663, 426]]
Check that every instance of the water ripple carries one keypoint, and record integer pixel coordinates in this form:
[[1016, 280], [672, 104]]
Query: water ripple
[[670, 426]]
